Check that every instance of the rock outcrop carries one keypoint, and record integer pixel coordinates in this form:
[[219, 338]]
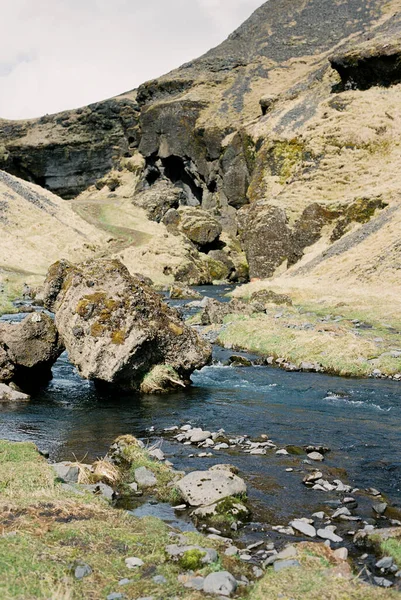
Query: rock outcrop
[[28, 350], [117, 330]]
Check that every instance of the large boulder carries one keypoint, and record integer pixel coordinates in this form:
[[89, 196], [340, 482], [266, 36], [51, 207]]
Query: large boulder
[[29, 349], [117, 330], [8, 394]]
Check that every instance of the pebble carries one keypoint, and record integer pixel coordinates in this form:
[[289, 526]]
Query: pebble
[[133, 562], [124, 581], [198, 435], [258, 572], [159, 579], [246, 557], [222, 446], [185, 427], [319, 515], [282, 452], [311, 477], [114, 596], [286, 564], [289, 470], [340, 512], [316, 456], [328, 534], [82, 570], [304, 528], [380, 508]]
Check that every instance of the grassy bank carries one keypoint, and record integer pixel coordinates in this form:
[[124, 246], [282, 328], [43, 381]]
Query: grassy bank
[[46, 531], [348, 333], [318, 578]]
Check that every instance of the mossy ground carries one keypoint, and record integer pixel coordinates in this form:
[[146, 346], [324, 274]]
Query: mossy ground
[[45, 530]]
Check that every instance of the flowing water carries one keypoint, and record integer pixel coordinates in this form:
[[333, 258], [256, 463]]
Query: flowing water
[[359, 419]]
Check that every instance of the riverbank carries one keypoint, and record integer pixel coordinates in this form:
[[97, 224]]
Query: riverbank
[[60, 544], [348, 332]]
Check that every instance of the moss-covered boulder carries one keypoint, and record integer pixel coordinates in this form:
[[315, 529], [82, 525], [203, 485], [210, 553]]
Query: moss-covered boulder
[[117, 330]]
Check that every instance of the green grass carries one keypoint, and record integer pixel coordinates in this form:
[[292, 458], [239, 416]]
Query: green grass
[[392, 547], [320, 578], [45, 531], [337, 346]]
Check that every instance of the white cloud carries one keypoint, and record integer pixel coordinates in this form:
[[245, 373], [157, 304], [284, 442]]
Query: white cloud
[[59, 54]]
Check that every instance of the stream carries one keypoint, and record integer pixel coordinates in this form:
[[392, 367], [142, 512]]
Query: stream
[[359, 419]]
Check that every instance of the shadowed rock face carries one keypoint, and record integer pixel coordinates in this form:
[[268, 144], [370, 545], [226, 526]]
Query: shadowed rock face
[[69, 151], [117, 330]]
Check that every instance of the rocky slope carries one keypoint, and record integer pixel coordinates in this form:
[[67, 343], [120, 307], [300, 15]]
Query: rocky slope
[[277, 143]]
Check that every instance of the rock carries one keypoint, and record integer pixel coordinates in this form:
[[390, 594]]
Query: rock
[[82, 570], [328, 534], [214, 312], [270, 297], [240, 361], [341, 553], [29, 349], [202, 488], [157, 453], [231, 551], [191, 582], [319, 449], [198, 225], [115, 596], [380, 508], [303, 528], [159, 579], [8, 394], [132, 562], [319, 515], [127, 335], [341, 512], [183, 292], [100, 489], [124, 581], [145, 478], [279, 565], [385, 563], [222, 583], [312, 477], [282, 452], [382, 582], [316, 456], [197, 435], [66, 472]]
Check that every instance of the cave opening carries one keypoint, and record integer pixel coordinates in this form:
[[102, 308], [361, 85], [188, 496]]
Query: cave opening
[[175, 170]]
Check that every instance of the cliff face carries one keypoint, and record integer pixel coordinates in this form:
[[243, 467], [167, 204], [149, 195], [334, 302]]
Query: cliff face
[[286, 134]]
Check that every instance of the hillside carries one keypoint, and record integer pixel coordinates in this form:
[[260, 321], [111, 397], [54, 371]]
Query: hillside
[[282, 140]]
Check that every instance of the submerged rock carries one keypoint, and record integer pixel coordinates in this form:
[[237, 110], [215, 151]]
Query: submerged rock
[[118, 330]]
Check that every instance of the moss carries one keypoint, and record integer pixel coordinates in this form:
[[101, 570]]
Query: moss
[[176, 329], [118, 337], [191, 560], [287, 155], [97, 330], [96, 299], [161, 379]]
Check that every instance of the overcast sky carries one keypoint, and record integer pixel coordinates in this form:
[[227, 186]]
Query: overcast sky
[[60, 54]]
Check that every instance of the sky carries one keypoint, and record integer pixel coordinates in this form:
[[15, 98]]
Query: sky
[[62, 54]]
